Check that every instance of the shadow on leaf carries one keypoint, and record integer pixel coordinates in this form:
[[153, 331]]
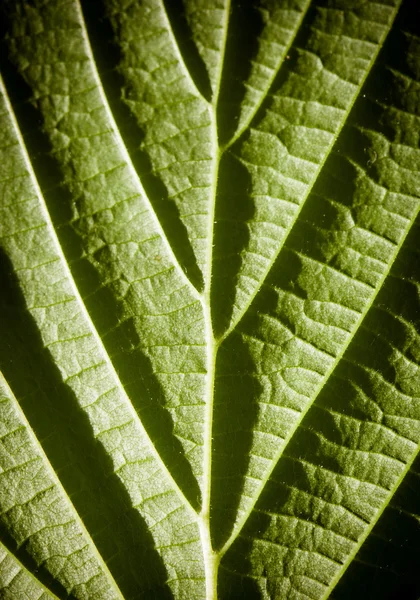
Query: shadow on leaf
[[108, 57], [177, 16], [119, 336], [234, 208], [84, 469], [245, 27], [235, 412]]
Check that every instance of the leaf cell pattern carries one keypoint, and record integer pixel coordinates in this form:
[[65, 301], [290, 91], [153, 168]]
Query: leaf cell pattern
[[210, 301]]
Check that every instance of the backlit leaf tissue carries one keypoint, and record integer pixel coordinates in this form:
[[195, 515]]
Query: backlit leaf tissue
[[210, 299]]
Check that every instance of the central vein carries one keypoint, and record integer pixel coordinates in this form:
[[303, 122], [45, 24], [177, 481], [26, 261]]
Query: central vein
[[211, 558]]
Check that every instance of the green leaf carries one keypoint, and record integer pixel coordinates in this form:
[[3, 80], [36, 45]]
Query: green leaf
[[17, 580], [37, 510], [210, 304]]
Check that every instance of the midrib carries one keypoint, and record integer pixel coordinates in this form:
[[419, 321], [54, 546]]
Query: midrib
[[210, 557], [213, 558]]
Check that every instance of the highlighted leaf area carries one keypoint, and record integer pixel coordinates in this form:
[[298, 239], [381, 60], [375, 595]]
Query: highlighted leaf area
[[210, 299]]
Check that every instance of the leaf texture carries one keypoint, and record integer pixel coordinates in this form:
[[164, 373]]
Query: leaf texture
[[211, 307], [36, 509], [17, 580]]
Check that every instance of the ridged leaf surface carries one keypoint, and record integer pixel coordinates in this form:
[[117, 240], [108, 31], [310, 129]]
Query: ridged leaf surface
[[210, 299]]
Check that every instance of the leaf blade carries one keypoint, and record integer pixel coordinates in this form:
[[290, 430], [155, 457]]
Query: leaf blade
[[287, 397], [106, 404], [287, 148], [29, 510], [15, 579]]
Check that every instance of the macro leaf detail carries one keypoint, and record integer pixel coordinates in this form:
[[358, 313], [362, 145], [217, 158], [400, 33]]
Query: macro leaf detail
[[210, 300]]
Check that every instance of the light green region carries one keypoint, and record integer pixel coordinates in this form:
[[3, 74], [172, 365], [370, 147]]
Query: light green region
[[210, 275]]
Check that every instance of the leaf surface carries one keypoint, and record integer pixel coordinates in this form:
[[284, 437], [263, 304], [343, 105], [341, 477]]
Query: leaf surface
[[210, 224]]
